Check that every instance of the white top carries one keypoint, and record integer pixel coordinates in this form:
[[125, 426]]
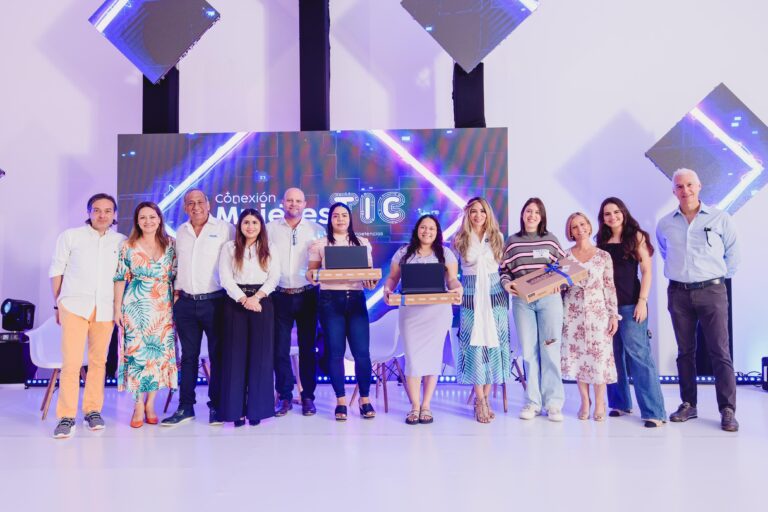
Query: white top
[[251, 273], [448, 254], [88, 261], [199, 255], [317, 253], [292, 247], [479, 255]]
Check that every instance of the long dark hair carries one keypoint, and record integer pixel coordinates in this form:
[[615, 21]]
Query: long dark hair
[[160, 235], [541, 230], [415, 243], [629, 230], [262, 244], [350, 230]]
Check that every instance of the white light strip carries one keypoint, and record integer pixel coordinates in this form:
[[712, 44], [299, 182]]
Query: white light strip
[[756, 168], [203, 169], [531, 5], [110, 14]]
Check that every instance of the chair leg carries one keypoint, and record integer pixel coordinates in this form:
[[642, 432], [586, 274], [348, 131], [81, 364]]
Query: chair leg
[[354, 394], [494, 390], [520, 375], [471, 395], [49, 392], [401, 374], [206, 369], [504, 396], [384, 384], [168, 400], [83, 374]]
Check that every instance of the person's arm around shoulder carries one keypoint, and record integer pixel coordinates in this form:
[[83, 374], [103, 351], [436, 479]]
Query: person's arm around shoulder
[[645, 263]]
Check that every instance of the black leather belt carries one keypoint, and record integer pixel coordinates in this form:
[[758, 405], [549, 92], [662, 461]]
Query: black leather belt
[[202, 296], [249, 289], [294, 291], [696, 286]]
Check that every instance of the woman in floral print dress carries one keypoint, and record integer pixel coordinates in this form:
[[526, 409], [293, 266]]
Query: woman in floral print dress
[[144, 312], [591, 319]]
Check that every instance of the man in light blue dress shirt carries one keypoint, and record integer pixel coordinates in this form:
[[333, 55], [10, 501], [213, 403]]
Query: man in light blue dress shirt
[[698, 244]]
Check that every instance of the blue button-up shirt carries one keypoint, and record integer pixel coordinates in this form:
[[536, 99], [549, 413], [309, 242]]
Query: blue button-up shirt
[[702, 250]]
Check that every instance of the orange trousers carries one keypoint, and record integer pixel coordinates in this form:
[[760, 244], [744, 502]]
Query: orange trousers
[[74, 332]]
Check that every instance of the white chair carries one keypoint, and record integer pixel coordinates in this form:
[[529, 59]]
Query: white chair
[[204, 365], [45, 352], [385, 347]]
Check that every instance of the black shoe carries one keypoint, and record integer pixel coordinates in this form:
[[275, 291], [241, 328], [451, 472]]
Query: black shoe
[[615, 413], [253, 423], [240, 422], [180, 416], [366, 411], [213, 418], [684, 413], [728, 420], [308, 407], [283, 407]]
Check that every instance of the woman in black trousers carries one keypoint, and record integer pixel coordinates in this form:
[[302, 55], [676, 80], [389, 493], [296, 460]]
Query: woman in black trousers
[[249, 273]]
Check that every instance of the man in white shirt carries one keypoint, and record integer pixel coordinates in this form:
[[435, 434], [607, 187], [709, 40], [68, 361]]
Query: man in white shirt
[[295, 300], [199, 301], [83, 266]]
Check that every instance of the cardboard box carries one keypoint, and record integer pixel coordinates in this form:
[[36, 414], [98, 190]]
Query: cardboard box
[[348, 274], [422, 299], [531, 287]]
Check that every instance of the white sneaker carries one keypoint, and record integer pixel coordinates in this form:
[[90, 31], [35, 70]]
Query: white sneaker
[[529, 411], [554, 414]]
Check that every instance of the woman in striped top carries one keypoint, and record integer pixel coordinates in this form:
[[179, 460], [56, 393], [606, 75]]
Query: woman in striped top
[[539, 324]]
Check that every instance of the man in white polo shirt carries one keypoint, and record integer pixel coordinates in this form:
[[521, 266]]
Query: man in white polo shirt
[[295, 301], [199, 302], [83, 266]]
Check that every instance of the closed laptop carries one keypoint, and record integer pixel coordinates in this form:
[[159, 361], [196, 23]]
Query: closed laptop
[[344, 256], [422, 278]]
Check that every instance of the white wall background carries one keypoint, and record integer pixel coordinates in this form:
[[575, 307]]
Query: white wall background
[[585, 88]]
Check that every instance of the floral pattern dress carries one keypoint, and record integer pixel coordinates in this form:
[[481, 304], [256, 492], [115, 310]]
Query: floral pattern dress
[[147, 350], [587, 353]]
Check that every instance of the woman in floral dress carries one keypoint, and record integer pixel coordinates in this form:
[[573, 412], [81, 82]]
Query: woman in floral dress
[[591, 319], [144, 312]]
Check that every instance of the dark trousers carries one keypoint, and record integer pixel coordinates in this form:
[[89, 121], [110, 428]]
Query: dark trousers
[[344, 318], [193, 318], [708, 306], [247, 344], [301, 308]]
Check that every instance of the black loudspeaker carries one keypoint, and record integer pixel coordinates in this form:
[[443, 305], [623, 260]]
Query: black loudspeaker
[[468, 97], [765, 373], [18, 315], [15, 364]]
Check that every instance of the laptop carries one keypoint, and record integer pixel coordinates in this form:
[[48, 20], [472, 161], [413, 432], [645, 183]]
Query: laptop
[[422, 278], [352, 256]]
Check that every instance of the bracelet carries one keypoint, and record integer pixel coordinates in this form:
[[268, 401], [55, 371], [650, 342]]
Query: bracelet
[[56, 307]]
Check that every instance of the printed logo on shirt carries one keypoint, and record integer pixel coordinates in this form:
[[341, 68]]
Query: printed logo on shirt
[[541, 253]]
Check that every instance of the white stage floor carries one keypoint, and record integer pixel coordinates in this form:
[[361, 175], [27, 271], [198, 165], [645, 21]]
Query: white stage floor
[[316, 463]]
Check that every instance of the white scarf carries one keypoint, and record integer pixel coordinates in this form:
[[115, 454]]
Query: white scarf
[[484, 332]]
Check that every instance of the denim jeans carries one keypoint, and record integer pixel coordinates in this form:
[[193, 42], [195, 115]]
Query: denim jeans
[[537, 323], [631, 347], [344, 318]]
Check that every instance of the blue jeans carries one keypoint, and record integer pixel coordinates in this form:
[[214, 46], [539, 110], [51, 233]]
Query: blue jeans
[[538, 323], [344, 318], [632, 347]]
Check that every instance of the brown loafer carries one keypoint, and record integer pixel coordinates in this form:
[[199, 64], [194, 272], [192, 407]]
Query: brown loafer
[[283, 407]]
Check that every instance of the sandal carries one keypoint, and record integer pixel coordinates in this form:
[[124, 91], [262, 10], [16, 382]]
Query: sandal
[[412, 418], [366, 410], [599, 416], [653, 423], [615, 413], [425, 416], [481, 411], [491, 414], [340, 412]]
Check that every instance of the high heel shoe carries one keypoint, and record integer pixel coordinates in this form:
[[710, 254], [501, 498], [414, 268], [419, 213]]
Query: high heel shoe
[[481, 411], [137, 423], [151, 420], [366, 410], [340, 413]]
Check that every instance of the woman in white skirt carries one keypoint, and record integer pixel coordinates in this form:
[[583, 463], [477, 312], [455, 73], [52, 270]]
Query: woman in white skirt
[[424, 327]]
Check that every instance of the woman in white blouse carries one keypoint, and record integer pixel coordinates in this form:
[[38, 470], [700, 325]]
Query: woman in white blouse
[[249, 273]]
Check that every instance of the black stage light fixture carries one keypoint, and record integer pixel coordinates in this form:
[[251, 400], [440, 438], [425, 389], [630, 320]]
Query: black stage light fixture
[[765, 373], [18, 315]]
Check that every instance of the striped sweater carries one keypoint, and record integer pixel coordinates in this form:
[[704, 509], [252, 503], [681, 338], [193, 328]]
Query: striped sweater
[[528, 253]]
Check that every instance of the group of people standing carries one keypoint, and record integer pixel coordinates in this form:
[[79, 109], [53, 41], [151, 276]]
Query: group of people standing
[[244, 288]]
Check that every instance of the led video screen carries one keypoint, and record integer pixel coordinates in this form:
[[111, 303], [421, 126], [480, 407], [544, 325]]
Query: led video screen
[[389, 178], [724, 142], [154, 34], [468, 30]]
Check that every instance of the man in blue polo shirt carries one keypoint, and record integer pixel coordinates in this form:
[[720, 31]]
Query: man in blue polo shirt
[[698, 244]]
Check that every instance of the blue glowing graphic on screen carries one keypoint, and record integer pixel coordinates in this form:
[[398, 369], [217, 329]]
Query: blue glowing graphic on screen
[[154, 34], [469, 29], [724, 142], [389, 178]]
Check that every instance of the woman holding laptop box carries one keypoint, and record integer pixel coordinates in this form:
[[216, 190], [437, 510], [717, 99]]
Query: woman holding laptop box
[[343, 313], [424, 327]]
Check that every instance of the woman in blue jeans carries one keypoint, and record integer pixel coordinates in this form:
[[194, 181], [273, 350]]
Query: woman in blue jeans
[[539, 324], [343, 313], [630, 248]]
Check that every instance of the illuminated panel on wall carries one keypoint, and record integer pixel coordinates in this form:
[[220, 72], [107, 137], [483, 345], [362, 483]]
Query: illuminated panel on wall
[[388, 178], [468, 30], [724, 142], [154, 34]]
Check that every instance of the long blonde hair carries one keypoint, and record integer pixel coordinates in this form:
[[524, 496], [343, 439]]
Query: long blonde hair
[[491, 230]]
